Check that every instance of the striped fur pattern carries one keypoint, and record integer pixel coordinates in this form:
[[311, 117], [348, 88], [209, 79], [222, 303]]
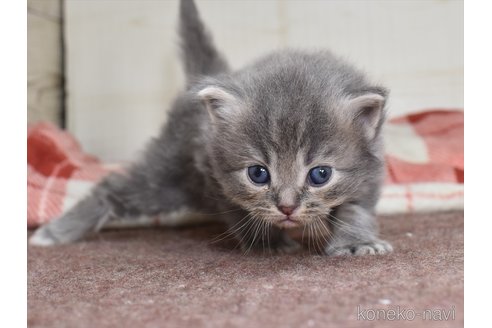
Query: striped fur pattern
[[289, 111]]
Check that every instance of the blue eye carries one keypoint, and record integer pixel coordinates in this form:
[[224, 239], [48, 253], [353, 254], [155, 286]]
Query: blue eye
[[319, 175], [258, 174]]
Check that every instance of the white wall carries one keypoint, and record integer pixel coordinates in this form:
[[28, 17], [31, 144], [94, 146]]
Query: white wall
[[123, 67]]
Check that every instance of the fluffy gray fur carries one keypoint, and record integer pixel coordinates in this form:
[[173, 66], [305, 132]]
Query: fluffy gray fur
[[289, 111]]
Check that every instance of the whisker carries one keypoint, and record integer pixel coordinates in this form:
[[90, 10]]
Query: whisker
[[310, 235], [303, 230], [318, 235], [326, 239], [224, 212], [263, 236], [250, 224], [230, 231], [255, 233]]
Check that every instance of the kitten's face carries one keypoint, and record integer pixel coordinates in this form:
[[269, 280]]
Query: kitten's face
[[288, 153], [291, 184], [289, 189]]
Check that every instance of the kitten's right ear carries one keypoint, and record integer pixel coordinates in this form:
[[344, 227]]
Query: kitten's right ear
[[220, 104]]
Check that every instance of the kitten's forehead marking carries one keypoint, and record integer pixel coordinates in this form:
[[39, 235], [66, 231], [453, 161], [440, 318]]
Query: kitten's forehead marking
[[288, 169]]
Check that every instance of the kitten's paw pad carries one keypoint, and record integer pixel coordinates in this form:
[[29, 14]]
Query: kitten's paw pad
[[42, 237], [379, 247]]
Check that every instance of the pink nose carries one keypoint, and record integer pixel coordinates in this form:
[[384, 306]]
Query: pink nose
[[287, 210]]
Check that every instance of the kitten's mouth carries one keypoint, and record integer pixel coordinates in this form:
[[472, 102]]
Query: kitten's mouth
[[288, 222]]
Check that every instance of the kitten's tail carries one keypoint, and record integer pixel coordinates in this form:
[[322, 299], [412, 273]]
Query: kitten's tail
[[200, 56]]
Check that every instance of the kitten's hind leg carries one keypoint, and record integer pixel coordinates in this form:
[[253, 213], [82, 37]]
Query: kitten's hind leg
[[89, 214], [164, 180], [117, 195]]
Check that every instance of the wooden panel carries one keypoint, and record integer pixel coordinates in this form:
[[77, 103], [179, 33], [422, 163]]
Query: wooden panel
[[43, 61]]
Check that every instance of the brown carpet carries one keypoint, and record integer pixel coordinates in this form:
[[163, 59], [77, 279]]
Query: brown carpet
[[176, 278]]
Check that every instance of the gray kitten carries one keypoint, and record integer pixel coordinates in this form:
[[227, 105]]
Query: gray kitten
[[292, 140]]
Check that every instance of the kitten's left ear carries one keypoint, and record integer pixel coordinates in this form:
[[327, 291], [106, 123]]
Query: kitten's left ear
[[367, 111]]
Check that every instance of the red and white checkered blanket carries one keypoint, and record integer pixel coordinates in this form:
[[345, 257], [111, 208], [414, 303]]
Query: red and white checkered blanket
[[425, 166]]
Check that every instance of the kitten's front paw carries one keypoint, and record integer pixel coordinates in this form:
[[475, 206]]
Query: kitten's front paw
[[378, 247]]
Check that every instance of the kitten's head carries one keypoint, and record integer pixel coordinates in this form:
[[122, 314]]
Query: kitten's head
[[295, 135]]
